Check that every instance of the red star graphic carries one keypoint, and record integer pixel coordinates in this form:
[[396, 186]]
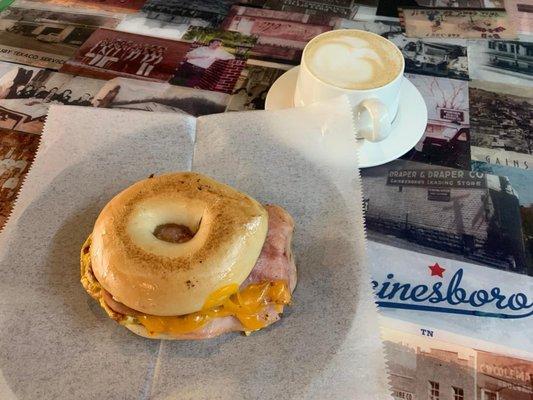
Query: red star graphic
[[436, 270]]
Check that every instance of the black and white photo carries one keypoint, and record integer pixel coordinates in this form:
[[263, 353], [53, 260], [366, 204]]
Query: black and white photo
[[78, 17], [324, 9], [446, 140], [27, 94], [47, 45], [501, 124], [501, 61], [458, 214], [45, 38], [159, 97], [195, 12], [461, 3]]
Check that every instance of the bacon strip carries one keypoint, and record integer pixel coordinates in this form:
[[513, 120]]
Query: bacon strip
[[275, 261]]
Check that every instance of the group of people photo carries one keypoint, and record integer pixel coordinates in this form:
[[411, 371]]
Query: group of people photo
[[125, 56], [27, 93], [203, 58], [53, 95], [44, 86]]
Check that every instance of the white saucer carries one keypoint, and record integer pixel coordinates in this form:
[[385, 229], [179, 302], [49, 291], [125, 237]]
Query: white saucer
[[407, 128]]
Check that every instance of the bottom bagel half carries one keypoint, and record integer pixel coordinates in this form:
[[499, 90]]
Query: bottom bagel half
[[256, 304]]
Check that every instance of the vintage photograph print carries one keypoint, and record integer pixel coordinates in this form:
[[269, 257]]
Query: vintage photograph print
[[79, 17], [322, 10], [446, 140], [160, 97], [501, 61], [17, 150], [457, 214], [501, 127], [252, 86], [204, 12], [457, 23], [215, 59], [281, 35], [109, 54], [46, 45], [520, 180], [426, 363], [461, 3], [119, 6], [27, 93], [521, 14], [46, 38]]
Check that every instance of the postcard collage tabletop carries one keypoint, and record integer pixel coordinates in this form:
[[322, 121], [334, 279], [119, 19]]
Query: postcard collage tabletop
[[98, 94]]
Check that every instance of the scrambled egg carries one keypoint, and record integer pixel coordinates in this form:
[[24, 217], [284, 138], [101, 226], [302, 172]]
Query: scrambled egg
[[93, 287]]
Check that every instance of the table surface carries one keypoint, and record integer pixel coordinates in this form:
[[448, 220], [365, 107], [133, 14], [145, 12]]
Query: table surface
[[449, 223]]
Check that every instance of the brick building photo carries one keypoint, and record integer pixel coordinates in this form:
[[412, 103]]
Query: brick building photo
[[452, 367], [456, 214], [424, 368], [501, 377], [282, 35]]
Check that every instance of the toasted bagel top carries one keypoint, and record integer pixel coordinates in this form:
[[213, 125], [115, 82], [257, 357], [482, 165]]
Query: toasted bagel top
[[164, 278]]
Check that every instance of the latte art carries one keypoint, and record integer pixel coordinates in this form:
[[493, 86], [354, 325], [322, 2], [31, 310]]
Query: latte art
[[353, 60]]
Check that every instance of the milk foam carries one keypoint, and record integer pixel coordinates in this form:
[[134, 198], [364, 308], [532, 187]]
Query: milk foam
[[353, 60]]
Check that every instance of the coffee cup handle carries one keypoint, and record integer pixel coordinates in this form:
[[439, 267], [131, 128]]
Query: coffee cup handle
[[372, 120]]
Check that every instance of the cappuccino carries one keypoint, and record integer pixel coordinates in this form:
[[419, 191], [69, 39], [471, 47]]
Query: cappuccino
[[353, 59]]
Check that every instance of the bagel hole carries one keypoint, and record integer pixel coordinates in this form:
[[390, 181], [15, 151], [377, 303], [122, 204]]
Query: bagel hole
[[173, 233]]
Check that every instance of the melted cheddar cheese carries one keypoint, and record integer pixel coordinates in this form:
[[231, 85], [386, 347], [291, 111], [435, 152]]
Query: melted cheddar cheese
[[249, 305]]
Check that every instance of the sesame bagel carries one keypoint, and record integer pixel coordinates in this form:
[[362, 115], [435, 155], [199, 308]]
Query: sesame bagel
[[222, 233]]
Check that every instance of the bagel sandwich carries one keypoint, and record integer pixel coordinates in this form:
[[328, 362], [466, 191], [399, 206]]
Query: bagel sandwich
[[182, 256]]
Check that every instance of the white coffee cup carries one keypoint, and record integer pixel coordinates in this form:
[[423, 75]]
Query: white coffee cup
[[362, 65]]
